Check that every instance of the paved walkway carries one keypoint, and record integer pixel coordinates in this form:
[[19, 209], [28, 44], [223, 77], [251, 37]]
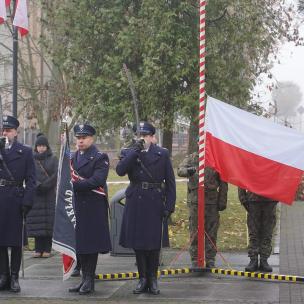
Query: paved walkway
[[43, 277], [292, 251]]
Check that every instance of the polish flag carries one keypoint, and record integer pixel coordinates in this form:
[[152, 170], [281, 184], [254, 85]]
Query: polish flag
[[21, 17], [2, 11], [7, 2], [253, 152]]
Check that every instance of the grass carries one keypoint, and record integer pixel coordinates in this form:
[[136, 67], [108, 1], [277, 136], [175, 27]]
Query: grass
[[232, 231]]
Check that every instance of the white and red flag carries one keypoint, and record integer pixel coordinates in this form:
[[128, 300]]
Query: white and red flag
[[2, 11], [21, 17], [253, 152]]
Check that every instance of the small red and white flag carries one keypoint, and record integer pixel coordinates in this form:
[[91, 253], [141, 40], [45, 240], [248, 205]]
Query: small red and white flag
[[3, 16], [253, 152], [21, 17]]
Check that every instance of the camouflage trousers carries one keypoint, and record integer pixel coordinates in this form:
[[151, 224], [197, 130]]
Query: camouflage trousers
[[261, 219], [212, 218]]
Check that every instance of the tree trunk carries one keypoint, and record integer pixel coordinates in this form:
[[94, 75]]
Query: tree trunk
[[167, 140]]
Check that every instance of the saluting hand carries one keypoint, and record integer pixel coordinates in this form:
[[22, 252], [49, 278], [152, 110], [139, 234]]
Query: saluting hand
[[138, 146]]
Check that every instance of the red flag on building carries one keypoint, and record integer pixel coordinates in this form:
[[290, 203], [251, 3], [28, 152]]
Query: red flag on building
[[21, 17], [2, 11], [253, 152]]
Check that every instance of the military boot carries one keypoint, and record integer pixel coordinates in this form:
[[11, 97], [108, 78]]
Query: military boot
[[153, 258], [15, 287], [153, 286], [4, 281], [264, 266], [88, 262], [16, 254], [83, 263], [77, 287], [253, 264], [88, 284], [210, 264], [194, 264], [142, 286], [4, 269]]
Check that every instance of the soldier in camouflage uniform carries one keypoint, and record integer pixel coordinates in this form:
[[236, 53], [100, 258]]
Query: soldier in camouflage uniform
[[215, 201], [261, 219]]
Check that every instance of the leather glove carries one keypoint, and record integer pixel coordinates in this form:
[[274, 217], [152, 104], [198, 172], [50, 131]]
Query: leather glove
[[191, 171], [139, 145], [25, 210], [166, 215]]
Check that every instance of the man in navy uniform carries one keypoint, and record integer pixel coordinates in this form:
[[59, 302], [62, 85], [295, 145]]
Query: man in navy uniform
[[17, 185], [150, 199], [91, 168]]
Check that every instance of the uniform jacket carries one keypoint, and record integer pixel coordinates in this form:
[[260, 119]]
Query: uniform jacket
[[143, 213], [92, 226], [40, 219], [215, 189], [246, 196], [19, 160]]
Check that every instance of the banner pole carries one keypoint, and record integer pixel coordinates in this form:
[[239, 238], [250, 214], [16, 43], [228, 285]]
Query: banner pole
[[202, 106]]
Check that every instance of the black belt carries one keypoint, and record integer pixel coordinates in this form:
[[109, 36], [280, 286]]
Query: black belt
[[5, 182], [146, 185]]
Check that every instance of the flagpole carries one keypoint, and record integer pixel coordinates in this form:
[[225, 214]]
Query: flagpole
[[15, 64], [202, 104]]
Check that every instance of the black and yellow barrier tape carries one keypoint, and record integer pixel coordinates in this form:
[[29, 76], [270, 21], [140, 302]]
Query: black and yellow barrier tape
[[230, 272], [256, 275], [134, 275]]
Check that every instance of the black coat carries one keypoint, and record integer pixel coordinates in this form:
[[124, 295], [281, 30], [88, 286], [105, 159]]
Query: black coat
[[143, 213], [19, 160], [92, 224], [40, 219]]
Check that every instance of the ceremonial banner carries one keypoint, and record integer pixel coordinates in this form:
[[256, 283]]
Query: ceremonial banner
[[253, 152], [65, 220]]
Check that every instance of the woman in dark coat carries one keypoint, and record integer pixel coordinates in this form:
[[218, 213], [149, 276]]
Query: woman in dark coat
[[40, 219]]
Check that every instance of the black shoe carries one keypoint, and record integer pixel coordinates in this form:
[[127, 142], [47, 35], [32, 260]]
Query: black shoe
[[210, 264], [75, 273], [253, 265], [88, 285], [153, 286], [264, 266], [76, 288], [142, 286], [15, 287], [194, 264], [5, 282]]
